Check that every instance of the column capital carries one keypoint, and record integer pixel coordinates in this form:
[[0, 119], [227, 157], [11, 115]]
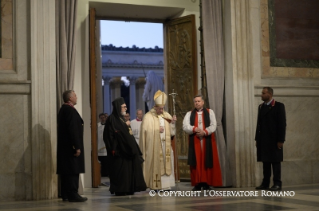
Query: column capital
[[141, 80], [116, 80], [133, 79], [106, 79]]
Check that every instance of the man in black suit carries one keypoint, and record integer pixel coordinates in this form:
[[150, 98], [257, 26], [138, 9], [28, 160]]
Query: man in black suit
[[270, 137], [70, 150]]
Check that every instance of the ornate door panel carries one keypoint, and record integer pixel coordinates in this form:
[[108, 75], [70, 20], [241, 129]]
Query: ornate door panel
[[181, 75]]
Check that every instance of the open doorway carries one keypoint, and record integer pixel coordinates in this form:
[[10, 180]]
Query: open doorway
[[180, 74], [128, 52]]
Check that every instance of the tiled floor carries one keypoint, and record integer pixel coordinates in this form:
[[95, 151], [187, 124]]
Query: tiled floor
[[306, 197]]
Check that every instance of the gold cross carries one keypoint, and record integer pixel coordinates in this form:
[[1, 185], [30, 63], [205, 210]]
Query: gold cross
[[156, 180]]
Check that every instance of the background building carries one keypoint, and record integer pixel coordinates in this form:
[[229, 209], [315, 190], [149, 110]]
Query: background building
[[133, 63]]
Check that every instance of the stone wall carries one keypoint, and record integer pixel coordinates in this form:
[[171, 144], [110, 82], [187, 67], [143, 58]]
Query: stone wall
[[298, 89], [247, 71], [28, 103], [15, 104]]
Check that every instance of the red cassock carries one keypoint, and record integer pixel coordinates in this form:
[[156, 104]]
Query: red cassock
[[199, 173]]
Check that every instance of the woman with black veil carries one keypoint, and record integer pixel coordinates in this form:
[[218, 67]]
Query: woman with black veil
[[126, 175]]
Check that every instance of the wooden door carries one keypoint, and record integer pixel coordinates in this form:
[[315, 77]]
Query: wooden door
[[96, 167], [181, 75]]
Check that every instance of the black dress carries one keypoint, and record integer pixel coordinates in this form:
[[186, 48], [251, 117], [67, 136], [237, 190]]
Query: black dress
[[126, 175]]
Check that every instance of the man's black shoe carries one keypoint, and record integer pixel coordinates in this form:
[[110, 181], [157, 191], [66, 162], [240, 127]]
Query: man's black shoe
[[262, 187], [207, 187], [275, 188], [78, 199], [197, 187]]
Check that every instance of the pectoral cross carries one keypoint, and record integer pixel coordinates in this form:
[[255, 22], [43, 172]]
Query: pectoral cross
[[156, 180]]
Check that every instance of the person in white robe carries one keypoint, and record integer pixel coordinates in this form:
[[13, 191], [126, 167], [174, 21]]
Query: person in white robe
[[157, 130], [102, 154], [136, 124]]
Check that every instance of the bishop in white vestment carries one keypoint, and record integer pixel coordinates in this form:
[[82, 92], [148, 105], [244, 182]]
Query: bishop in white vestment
[[157, 130]]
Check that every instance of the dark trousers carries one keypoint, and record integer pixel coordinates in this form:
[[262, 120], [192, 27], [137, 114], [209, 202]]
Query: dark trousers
[[69, 186], [276, 168], [105, 163]]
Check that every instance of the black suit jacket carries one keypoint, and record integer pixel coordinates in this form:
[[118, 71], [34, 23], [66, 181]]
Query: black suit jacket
[[70, 138], [271, 128]]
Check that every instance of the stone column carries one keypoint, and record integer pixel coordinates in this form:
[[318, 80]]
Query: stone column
[[107, 95], [140, 84], [239, 96], [115, 88], [43, 99], [133, 97]]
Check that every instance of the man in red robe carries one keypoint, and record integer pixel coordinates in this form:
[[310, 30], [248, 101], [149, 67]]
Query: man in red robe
[[200, 124]]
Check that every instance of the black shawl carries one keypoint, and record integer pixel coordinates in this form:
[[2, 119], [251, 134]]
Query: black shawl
[[117, 137], [126, 174], [208, 148]]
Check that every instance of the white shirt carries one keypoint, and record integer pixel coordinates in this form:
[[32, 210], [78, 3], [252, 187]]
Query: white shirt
[[189, 129], [136, 125], [100, 143]]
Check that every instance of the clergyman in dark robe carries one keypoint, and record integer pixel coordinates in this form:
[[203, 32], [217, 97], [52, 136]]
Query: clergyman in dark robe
[[126, 175], [70, 149]]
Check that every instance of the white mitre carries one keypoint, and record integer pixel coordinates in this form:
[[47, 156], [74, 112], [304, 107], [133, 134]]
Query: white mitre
[[160, 98]]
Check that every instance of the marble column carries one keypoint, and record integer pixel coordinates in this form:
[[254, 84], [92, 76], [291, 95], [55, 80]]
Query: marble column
[[140, 84], [43, 99], [239, 92], [107, 95], [133, 97], [115, 88]]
